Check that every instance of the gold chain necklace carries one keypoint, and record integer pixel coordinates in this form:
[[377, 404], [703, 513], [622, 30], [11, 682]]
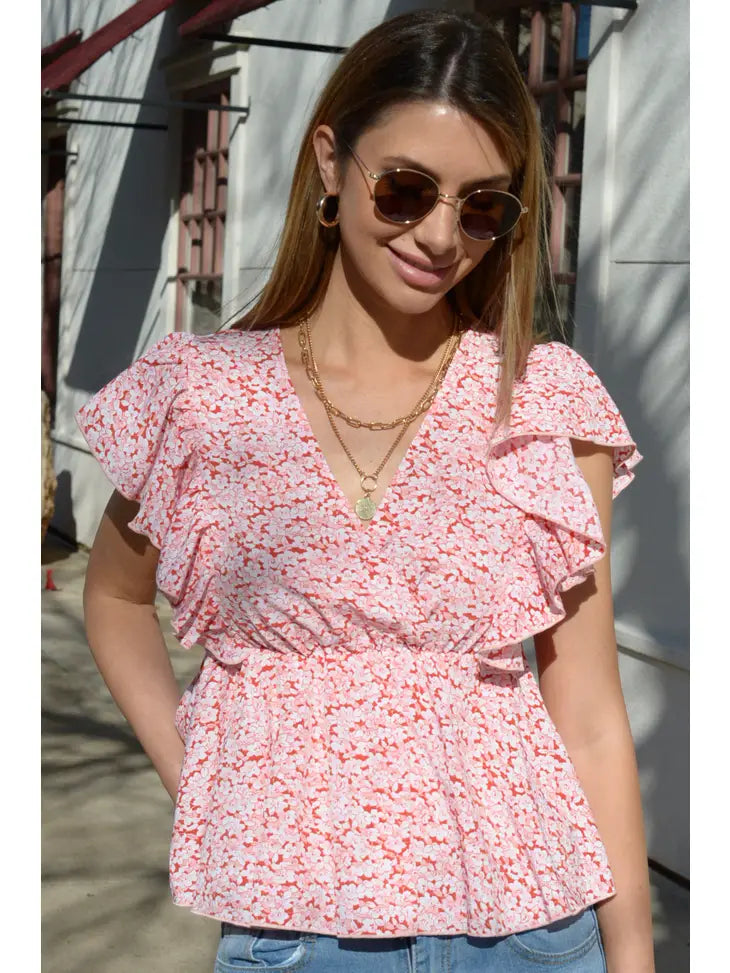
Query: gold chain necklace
[[424, 403], [365, 506]]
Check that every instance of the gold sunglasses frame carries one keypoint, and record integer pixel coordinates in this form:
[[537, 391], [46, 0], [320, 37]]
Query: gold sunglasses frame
[[377, 176]]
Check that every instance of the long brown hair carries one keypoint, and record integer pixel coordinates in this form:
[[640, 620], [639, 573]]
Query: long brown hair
[[426, 55]]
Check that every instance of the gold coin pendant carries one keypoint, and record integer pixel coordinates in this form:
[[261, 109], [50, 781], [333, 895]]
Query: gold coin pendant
[[365, 508]]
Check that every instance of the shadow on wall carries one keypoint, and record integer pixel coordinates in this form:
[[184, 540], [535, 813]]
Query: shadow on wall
[[60, 19], [129, 256]]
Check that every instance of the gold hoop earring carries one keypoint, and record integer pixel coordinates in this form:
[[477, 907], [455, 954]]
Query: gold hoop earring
[[325, 207]]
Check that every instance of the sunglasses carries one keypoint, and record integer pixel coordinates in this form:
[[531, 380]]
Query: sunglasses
[[406, 196]]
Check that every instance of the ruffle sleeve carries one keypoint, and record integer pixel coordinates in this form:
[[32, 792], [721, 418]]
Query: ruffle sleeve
[[136, 428], [532, 466]]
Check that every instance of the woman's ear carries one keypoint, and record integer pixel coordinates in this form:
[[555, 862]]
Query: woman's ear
[[323, 142]]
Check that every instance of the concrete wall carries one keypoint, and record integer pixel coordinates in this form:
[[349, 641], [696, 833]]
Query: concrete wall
[[632, 323]]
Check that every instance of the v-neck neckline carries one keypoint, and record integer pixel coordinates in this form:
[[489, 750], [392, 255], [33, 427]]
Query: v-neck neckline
[[339, 498]]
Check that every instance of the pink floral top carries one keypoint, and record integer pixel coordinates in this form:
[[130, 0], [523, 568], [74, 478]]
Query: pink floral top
[[367, 752]]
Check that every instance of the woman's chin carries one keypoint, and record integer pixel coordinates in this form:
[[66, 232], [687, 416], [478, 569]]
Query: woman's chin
[[407, 300]]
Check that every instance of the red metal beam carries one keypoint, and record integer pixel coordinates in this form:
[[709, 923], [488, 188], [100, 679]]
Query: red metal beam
[[71, 64], [561, 157], [538, 41], [216, 11], [59, 47], [576, 82]]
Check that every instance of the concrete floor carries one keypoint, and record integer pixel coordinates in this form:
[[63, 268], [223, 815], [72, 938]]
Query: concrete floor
[[107, 819]]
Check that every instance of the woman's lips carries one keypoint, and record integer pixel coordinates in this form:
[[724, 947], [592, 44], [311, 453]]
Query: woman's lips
[[416, 274]]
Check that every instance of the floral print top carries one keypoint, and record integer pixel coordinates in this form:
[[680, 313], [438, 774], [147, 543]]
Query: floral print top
[[367, 751]]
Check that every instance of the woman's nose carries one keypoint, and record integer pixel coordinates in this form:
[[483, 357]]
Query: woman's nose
[[439, 231]]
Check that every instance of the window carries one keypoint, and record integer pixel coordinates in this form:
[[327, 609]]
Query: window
[[550, 43], [202, 213]]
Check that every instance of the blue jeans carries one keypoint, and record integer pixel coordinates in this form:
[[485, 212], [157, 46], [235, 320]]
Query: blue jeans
[[572, 944]]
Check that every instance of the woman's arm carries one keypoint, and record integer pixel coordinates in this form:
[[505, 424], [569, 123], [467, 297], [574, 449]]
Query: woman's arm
[[579, 680], [125, 637]]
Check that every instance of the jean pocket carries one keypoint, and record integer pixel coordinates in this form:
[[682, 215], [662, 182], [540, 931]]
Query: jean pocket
[[257, 948], [562, 941]]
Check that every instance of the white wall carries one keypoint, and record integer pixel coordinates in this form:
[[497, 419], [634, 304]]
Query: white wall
[[632, 323]]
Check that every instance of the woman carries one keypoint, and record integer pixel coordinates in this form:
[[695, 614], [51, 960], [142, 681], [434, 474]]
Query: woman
[[360, 500]]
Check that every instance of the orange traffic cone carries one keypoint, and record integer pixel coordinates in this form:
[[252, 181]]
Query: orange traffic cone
[[50, 584]]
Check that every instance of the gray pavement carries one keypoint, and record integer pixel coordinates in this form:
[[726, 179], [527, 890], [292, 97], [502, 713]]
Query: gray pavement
[[107, 819]]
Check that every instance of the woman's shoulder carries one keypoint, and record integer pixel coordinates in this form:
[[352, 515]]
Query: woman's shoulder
[[233, 346], [552, 369], [555, 361], [558, 378], [208, 364], [185, 347], [192, 374]]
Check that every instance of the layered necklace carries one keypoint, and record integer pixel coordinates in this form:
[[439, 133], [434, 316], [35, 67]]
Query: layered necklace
[[365, 506]]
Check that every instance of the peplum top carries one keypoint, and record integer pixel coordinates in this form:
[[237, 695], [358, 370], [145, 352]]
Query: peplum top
[[367, 752]]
